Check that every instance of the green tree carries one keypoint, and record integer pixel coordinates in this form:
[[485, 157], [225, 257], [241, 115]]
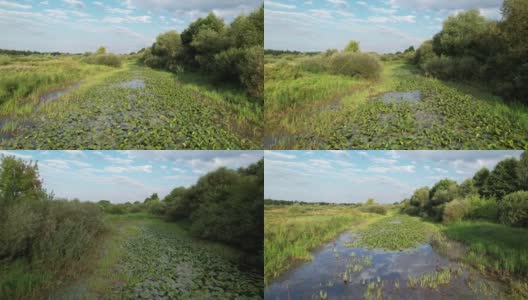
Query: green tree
[[467, 188], [352, 46], [480, 180], [19, 181], [504, 178], [370, 201], [522, 171], [420, 197], [101, 50]]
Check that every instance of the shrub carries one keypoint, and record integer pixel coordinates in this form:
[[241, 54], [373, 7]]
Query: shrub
[[483, 208], [374, 208], [456, 210], [314, 64], [107, 59], [115, 210], [252, 71], [282, 71], [4, 60], [355, 64], [513, 209]]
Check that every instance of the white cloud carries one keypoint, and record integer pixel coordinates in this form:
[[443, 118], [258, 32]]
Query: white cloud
[[392, 169], [18, 154], [75, 3], [277, 154], [127, 19], [113, 10], [278, 5], [123, 169], [14, 5], [339, 3]]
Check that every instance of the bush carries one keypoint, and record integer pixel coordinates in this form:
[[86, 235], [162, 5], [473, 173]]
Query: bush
[[107, 59], [484, 208], [115, 210], [252, 71], [282, 70], [375, 209], [513, 209], [314, 64], [355, 64], [456, 210]]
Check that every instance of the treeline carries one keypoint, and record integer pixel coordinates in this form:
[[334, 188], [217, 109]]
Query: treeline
[[293, 202], [40, 236], [232, 53], [286, 52], [27, 52], [473, 48], [499, 195]]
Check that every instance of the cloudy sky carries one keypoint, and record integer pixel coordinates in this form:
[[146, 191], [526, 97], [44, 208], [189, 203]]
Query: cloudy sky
[[380, 25], [354, 176], [121, 176], [121, 25]]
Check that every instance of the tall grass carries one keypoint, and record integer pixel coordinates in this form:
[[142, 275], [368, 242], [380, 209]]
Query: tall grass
[[290, 233], [22, 82], [496, 248]]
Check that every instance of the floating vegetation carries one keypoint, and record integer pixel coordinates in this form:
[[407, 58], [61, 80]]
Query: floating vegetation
[[164, 266], [138, 108], [388, 234]]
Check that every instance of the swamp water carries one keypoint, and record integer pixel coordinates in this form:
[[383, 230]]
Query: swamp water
[[132, 84], [387, 271], [56, 94], [401, 97]]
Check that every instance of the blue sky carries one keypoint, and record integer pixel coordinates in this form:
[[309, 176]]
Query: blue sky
[[354, 176], [121, 176], [379, 25], [121, 25]]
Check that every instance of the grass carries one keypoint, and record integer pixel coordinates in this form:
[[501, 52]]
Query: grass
[[398, 232], [21, 82], [165, 114], [497, 248], [450, 116], [290, 233]]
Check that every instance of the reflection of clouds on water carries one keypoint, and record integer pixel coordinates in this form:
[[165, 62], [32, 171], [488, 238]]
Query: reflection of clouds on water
[[309, 278]]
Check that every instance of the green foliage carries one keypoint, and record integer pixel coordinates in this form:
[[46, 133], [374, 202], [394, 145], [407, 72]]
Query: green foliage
[[230, 53], [480, 180], [101, 50], [503, 179], [355, 64], [46, 234], [483, 208], [374, 208], [513, 209], [108, 59], [471, 47], [522, 171], [224, 205], [352, 46], [497, 248], [456, 210]]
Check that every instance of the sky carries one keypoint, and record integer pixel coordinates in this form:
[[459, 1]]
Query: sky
[[379, 25], [355, 176], [127, 176], [123, 26]]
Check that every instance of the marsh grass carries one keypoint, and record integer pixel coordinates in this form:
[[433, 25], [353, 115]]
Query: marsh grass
[[290, 233], [496, 248], [21, 82]]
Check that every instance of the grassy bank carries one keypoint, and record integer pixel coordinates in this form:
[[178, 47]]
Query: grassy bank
[[319, 111]]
